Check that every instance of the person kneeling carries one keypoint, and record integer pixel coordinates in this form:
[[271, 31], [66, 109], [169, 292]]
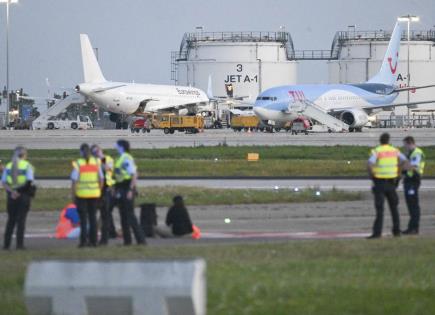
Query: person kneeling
[[178, 223]]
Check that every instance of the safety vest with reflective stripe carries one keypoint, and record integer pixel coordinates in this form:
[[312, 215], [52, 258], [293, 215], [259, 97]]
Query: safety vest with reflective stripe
[[420, 167], [121, 173], [21, 179], [387, 162], [108, 171], [88, 184]]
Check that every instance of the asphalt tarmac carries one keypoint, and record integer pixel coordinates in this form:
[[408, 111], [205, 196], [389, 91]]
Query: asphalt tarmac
[[71, 139], [239, 224], [273, 184]]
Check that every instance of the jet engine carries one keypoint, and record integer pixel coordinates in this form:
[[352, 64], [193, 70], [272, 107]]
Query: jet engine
[[355, 118]]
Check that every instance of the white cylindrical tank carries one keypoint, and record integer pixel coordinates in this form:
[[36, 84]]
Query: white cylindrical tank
[[250, 61], [360, 56]]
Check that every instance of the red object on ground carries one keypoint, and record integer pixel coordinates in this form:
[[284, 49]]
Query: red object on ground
[[196, 234]]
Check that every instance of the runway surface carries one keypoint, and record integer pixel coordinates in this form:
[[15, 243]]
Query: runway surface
[[289, 184], [71, 139]]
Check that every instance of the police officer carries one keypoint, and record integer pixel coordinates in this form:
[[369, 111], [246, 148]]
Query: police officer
[[87, 182], [106, 202], [383, 166], [411, 183], [125, 188], [17, 179]]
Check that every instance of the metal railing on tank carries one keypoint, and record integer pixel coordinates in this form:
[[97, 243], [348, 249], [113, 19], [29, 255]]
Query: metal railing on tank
[[191, 39]]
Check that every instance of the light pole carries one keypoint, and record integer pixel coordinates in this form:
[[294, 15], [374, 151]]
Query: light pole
[[408, 19], [8, 2]]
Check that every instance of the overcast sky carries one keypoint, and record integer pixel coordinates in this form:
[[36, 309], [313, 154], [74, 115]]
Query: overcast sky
[[135, 37]]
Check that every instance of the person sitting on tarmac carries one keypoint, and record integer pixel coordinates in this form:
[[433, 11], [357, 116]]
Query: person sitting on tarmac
[[178, 223]]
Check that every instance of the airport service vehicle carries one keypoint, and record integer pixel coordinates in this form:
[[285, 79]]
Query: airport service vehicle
[[56, 122], [141, 124], [239, 123], [172, 123], [121, 98], [340, 107]]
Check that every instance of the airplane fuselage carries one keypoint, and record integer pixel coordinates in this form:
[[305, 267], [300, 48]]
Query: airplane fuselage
[[276, 103], [127, 98]]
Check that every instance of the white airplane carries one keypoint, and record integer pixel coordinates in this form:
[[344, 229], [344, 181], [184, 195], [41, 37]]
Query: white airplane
[[130, 98], [349, 103]]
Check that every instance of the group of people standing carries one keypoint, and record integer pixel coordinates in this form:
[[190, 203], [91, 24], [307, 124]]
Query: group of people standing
[[99, 182], [386, 166]]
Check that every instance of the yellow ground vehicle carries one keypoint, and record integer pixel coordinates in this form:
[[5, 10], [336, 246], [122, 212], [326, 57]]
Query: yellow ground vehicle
[[171, 123], [239, 123]]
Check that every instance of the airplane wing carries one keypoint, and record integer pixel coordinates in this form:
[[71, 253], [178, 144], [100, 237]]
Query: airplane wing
[[390, 106], [412, 88], [384, 107], [191, 107]]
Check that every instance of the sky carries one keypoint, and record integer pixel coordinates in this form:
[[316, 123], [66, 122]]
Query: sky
[[135, 37]]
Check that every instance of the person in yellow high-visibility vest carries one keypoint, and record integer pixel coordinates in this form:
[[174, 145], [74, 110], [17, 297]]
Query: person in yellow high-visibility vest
[[17, 179], [87, 182], [411, 183], [125, 188], [106, 203], [384, 167]]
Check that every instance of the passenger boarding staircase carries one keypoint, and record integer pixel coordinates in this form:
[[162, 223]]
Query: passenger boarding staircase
[[61, 106], [312, 111]]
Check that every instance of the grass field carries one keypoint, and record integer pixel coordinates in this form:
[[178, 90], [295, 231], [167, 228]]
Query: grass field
[[55, 199], [390, 276], [229, 161]]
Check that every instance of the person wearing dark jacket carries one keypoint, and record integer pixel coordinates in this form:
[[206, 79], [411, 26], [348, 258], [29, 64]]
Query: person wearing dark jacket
[[178, 221], [17, 179]]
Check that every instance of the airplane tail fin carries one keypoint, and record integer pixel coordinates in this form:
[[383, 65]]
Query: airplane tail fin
[[388, 73], [91, 68]]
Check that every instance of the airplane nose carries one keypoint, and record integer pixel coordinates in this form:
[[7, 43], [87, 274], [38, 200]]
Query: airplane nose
[[259, 111]]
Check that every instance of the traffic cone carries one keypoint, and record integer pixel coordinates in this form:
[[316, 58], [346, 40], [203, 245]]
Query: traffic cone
[[196, 234]]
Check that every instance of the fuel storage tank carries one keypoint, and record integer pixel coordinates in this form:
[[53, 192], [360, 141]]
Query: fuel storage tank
[[250, 61]]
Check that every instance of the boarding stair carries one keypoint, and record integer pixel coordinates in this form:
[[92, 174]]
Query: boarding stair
[[61, 106], [313, 111]]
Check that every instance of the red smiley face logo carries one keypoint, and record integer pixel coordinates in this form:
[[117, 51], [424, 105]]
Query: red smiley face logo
[[390, 60]]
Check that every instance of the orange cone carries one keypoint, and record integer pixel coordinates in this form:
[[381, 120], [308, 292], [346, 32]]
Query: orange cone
[[196, 234]]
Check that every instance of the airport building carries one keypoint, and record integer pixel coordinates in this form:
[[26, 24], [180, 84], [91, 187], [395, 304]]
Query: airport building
[[250, 61], [356, 56]]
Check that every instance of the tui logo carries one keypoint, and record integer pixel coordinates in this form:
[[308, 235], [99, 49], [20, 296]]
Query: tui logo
[[390, 60]]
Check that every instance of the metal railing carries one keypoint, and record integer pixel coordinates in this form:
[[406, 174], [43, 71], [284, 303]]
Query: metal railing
[[343, 36], [319, 54], [191, 39]]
